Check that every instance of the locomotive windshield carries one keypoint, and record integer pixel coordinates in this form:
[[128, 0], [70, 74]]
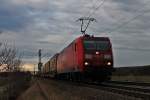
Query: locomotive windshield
[[96, 45]]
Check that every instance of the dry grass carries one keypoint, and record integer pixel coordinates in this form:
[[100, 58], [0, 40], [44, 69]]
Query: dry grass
[[137, 74]]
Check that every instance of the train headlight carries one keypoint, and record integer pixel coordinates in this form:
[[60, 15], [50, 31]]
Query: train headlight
[[97, 53], [107, 56], [108, 63], [86, 63], [88, 56]]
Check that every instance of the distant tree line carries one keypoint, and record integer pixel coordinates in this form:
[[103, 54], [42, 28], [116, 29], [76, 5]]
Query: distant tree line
[[137, 70]]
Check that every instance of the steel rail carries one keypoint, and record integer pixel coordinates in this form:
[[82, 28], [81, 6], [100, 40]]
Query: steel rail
[[131, 89], [123, 89], [141, 90], [142, 87], [42, 90], [131, 83]]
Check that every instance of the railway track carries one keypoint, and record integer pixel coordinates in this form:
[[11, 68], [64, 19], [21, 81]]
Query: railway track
[[132, 89], [42, 90], [138, 90], [130, 83]]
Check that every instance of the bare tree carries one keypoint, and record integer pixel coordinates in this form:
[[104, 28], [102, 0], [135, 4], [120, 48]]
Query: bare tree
[[9, 61]]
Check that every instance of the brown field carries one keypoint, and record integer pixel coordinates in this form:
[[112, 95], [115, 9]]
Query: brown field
[[132, 78], [137, 74]]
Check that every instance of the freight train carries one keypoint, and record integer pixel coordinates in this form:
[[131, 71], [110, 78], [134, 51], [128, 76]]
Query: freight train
[[87, 57]]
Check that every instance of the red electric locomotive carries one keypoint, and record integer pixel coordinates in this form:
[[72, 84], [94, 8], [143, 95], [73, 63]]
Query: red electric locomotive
[[88, 57]]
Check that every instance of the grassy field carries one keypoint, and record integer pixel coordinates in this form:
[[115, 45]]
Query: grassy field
[[137, 74], [132, 78]]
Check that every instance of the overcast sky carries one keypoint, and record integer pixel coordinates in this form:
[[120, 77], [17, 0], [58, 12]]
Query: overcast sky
[[51, 25]]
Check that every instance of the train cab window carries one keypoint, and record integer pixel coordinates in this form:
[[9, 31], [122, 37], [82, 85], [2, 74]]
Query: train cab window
[[89, 45], [102, 45], [96, 45]]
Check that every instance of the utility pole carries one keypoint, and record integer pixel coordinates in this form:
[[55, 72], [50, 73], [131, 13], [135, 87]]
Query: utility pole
[[40, 63], [82, 20]]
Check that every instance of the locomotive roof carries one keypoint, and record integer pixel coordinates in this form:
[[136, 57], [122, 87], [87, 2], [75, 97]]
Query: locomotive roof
[[92, 37]]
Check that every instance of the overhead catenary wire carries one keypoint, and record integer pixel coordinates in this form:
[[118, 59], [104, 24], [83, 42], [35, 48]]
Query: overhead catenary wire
[[93, 10], [97, 8], [130, 20], [89, 19], [124, 23], [92, 7], [88, 23], [132, 49], [127, 22]]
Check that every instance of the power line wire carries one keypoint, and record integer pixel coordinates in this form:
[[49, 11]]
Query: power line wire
[[127, 22], [123, 24], [92, 7], [89, 11], [97, 8], [89, 19], [132, 49], [130, 20]]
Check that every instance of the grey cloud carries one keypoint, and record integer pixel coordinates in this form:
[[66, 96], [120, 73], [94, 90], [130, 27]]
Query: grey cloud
[[51, 26], [12, 17], [130, 57]]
